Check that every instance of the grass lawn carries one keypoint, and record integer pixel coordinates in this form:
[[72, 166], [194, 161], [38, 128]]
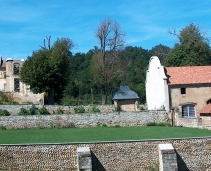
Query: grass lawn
[[55, 135]]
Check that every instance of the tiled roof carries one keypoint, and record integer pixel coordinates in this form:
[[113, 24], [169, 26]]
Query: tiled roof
[[188, 75], [206, 109]]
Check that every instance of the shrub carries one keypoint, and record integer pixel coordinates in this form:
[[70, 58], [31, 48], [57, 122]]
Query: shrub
[[79, 110], [43, 111], [95, 110], [2, 127], [163, 124], [23, 112], [104, 125], [152, 124], [4, 113], [60, 111], [33, 110]]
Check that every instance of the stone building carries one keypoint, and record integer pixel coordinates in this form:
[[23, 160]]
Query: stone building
[[186, 90], [10, 82], [126, 99]]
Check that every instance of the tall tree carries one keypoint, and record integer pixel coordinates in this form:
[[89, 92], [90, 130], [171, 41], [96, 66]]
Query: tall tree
[[193, 48], [48, 70], [161, 52], [106, 67]]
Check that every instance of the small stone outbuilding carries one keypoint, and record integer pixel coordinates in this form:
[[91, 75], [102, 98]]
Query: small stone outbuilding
[[126, 99]]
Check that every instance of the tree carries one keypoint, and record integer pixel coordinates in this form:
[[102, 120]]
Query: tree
[[105, 64], [193, 48], [161, 52], [48, 70]]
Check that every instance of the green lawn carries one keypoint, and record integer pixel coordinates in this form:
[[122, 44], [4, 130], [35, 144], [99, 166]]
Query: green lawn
[[97, 134]]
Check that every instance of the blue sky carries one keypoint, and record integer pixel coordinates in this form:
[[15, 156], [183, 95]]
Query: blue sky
[[25, 23]]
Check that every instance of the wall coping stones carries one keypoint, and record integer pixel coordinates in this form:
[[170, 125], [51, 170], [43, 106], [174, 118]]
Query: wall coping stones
[[166, 148]]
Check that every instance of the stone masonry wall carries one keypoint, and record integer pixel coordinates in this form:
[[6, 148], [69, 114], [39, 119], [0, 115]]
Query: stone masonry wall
[[85, 119], [14, 109], [192, 154]]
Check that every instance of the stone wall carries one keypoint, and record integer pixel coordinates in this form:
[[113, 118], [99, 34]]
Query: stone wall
[[186, 122], [192, 154], [14, 109], [85, 119]]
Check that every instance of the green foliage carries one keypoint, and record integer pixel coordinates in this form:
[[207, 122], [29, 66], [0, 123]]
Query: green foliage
[[6, 98], [4, 113], [33, 110], [95, 110], [151, 124], [158, 124], [193, 50], [48, 70], [2, 127], [43, 111], [164, 124], [23, 112], [104, 125], [60, 111], [79, 109]]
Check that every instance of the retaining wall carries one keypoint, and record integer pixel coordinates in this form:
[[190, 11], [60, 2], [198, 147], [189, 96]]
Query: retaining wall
[[85, 119], [192, 154], [14, 109]]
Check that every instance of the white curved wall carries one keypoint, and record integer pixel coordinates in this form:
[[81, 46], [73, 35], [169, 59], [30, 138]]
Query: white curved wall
[[156, 86]]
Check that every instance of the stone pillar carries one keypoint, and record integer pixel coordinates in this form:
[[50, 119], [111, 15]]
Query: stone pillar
[[167, 158], [84, 159]]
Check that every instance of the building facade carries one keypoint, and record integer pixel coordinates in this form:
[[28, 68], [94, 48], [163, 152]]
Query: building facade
[[10, 83], [184, 90]]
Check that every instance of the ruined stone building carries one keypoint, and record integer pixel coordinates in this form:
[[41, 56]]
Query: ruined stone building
[[10, 82]]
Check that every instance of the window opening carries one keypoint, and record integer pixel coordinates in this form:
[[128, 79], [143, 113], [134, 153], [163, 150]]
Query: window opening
[[183, 90], [16, 85], [188, 111], [16, 68]]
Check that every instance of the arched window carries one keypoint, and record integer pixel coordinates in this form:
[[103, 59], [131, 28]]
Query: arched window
[[188, 111]]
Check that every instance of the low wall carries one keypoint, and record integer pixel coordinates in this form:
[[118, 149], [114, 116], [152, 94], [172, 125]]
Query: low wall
[[14, 109], [85, 119], [192, 154]]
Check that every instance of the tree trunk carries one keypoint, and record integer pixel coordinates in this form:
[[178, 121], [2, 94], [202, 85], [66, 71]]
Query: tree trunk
[[51, 95], [104, 96]]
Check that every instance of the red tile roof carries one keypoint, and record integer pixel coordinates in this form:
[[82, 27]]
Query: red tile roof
[[206, 109], [188, 75]]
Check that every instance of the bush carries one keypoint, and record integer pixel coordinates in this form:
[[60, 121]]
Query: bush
[[23, 112], [60, 111], [104, 125], [79, 110], [2, 127], [33, 110], [4, 113], [43, 111], [158, 124], [152, 124], [95, 110], [164, 124]]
